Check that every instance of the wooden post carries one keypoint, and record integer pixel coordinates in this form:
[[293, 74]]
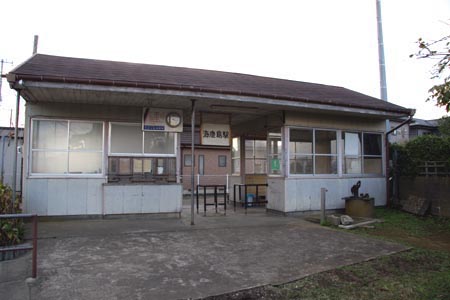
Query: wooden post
[[34, 255], [322, 204]]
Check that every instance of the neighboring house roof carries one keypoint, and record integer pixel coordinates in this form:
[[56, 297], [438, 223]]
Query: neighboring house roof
[[58, 69], [431, 124]]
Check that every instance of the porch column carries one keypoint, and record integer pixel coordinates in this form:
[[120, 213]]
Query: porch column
[[192, 159]]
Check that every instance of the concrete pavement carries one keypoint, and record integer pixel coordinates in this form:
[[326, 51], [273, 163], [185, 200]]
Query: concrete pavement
[[166, 258]]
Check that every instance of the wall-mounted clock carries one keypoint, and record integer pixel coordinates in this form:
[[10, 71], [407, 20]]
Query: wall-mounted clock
[[173, 119]]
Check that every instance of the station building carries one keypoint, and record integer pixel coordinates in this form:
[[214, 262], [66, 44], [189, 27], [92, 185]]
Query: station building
[[104, 137]]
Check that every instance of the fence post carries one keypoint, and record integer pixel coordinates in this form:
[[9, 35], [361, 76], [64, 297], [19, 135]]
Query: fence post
[[34, 259], [227, 183], [322, 204]]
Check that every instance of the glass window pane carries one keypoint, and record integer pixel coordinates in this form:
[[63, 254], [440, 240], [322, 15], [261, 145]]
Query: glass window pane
[[236, 166], [187, 160], [352, 143], [49, 162], [249, 166], [274, 143], [249, 148], [113, 165], [171, 166], [137, 165], [301, 164], [160, 166], [235, 148], [85, 136], [126, 138], [260, 166], [147, 165], [352, 165], [260, 149], [49, 134], [85, 162], [201, 164], [373, 165], [222, 161], [274, 152], [124, 166], [326, 165], [372, 144], [159, 142], [301, 141], [325, 142]]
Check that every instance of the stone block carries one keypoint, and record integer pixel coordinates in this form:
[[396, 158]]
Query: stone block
[[334, 220]]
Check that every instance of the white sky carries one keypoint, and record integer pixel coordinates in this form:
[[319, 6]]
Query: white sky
[[322, 41]]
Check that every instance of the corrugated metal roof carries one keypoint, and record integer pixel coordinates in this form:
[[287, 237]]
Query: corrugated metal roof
[[68, 69]]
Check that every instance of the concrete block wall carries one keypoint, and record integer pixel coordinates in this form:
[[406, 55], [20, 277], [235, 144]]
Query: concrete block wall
[[434, 189]]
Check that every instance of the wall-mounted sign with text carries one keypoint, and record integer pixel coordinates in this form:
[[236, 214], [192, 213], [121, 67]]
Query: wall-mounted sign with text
[[159, 119], [215, 134]]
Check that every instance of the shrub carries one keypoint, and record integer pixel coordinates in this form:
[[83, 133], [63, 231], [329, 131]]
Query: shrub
[[423, 148], [12, 230]]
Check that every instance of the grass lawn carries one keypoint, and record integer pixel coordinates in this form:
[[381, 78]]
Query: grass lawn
[[420, 273]]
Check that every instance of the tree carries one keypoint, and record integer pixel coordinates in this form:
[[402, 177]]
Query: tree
[[438, 50], [444, 126]]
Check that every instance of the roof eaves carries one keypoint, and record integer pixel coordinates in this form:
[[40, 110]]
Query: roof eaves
[[15, 77]]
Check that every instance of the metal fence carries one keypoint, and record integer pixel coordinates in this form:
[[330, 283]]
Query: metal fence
[[20, 247]]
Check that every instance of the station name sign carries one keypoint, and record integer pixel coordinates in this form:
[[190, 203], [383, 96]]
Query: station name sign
[[215, 134], [161, 119]]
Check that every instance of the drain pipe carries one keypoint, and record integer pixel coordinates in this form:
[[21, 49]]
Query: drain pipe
[[386, 136], [18, 87]]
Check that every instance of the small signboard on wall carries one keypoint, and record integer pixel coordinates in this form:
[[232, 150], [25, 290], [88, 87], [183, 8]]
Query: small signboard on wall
[[215, 134], [275, 164], [161, 119]]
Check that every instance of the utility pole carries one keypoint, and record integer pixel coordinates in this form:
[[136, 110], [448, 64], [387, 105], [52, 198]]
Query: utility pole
[[381, 61], [2, 62], [35, 44]]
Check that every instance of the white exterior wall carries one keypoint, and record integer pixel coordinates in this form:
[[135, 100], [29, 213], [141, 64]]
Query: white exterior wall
[[276, 194], [88, 195], [59, 196], [328, 121], [294, 195], [151, 198]]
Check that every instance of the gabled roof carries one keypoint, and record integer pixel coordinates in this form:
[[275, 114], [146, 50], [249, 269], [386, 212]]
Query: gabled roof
[[49, 68]]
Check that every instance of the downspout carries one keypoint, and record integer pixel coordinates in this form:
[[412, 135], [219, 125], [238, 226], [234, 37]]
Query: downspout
[[386, 136], [16, 129]]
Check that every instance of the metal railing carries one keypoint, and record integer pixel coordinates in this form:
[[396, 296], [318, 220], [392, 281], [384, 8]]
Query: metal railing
[[206, 180], [256, 201], [217, 189], [33, 246]]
